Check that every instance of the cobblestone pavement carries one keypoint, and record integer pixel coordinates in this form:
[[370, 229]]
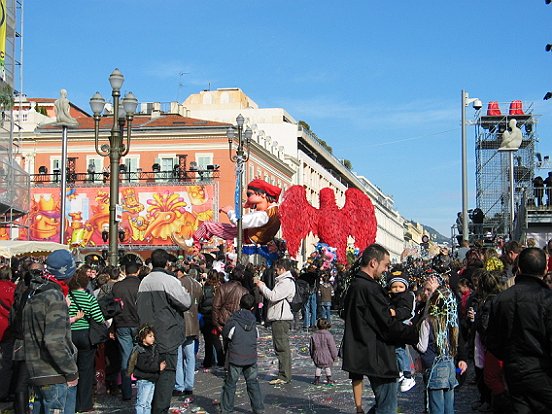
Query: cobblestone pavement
[[300, 396]]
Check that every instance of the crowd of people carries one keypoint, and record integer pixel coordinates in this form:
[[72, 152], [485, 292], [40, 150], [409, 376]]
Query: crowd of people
[[487, 308]]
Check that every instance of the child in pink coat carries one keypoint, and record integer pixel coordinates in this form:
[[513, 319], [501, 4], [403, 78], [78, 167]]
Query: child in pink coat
[[323, 350]]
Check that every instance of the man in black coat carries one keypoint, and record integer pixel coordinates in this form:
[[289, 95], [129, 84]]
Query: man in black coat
[[127, 322], [520, 334], [371, 333]]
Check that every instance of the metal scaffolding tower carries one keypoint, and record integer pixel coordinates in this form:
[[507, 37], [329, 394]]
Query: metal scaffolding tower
[[14, 181], [493, 193]]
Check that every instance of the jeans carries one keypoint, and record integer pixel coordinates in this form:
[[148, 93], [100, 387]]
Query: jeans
[[280, 339], [165, 384], [185, 365], [309, 311], [326, 310], [144, 396], [253, 388], [440, 385], [50, 399], [70, 401], [441, 401], [385, 394], [402, 359], [126, 338]]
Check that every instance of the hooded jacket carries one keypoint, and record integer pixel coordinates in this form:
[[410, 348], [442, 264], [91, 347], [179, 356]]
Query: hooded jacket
[[160, 303], [49, 352], [241, 331], [279, 308]]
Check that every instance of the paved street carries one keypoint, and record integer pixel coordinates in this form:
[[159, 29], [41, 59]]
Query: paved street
[[298, 397]]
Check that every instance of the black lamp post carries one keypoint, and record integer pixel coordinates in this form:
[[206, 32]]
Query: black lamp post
[[116, 149], [240, 158]]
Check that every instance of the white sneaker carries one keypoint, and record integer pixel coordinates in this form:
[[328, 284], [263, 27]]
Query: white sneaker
[[407, 384]]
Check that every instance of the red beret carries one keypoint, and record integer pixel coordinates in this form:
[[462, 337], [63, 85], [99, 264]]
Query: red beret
[[262, 185]]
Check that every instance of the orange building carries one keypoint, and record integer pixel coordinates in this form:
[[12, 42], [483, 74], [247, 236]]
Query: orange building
[[175, 162]]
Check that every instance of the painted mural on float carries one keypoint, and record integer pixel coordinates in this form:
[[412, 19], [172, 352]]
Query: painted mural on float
[[151, 215]]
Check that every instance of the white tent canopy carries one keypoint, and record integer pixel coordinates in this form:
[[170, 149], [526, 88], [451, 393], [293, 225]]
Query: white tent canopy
[[10, 248]]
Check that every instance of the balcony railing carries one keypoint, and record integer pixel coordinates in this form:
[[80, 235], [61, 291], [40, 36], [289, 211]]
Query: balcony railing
[[139, 176]]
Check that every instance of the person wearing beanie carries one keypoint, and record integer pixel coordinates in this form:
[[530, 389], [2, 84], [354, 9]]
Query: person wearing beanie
[[61, 264], [49, 352], [403, 302]]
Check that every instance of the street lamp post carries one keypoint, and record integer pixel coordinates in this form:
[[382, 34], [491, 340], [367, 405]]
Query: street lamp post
[[116, 149], [466, 100], [240, 158]]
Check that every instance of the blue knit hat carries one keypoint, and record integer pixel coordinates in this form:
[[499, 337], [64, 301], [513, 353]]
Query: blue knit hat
[[61, 264]]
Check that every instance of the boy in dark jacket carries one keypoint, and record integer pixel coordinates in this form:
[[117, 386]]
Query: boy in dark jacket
[[241, 332], [145, 365]]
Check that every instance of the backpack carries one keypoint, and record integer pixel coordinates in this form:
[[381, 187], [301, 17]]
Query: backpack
[[110, 305], [302, 292]]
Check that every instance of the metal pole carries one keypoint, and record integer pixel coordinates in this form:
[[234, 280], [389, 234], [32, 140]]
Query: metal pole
[[63, 195], [115, 142], [511, 224], [239, 172], [465, 228]]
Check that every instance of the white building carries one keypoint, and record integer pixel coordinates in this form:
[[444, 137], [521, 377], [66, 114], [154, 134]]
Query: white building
[[315, 166]]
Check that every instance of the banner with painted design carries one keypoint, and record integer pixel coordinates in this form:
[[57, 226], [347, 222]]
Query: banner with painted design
[[152, 215]]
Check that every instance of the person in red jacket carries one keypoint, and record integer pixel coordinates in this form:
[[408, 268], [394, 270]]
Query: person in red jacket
[[7, 290]]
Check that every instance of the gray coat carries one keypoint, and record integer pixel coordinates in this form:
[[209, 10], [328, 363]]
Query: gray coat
[[160, 303]]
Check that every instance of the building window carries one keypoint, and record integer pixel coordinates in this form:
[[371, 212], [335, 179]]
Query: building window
[[203, 160], [55, 164], [94, 167], [132, 163]]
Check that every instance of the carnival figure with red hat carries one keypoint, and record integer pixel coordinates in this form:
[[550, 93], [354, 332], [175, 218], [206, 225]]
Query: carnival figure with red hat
[[259, 226]]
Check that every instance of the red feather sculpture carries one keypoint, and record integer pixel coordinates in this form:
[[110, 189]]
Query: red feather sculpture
[[331, 224]]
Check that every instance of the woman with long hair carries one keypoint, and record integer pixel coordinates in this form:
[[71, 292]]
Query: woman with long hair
[[438, 345]]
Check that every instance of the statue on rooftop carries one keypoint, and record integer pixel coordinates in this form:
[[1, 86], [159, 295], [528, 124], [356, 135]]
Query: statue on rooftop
[[63, 108]]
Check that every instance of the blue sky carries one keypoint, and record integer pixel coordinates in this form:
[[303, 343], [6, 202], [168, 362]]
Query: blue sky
[[379, 81]]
